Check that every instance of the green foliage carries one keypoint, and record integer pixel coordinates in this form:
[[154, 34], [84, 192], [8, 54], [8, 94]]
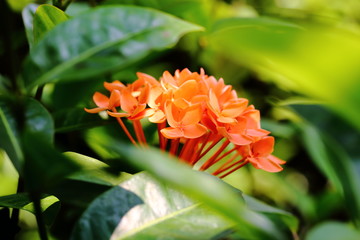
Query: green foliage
[[104, 213], [59, 57]]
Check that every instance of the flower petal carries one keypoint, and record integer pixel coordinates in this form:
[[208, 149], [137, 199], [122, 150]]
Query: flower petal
[[117, 114], [114, 99], [172, 133], [265, 164], [263, 147], [100, 100], [194, 131], [187, 90], [192, 115], [95, 110], [128, 102], [157, 117], [115, 85]]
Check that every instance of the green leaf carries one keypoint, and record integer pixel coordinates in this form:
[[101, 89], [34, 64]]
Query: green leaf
[[317, 61], [335, 163], [205, 188], [333, 231], [44, 165], [287, 218], [22, 201], [9, 142], [104, 213], [74, 119], [93, 171], [46, 18], [166, 213], [50, 205], [99, 41], [28, 18], [38, 120]]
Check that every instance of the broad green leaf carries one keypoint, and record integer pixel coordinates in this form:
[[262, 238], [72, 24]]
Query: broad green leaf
[[44, 166], [317, 61], [75, 119], [22, 201], [28, 18], [50, 205], [335, 163], [205, 188], [46, 18], [9, 142], [196, 11], [8, 175], [18, 5], [287, 218], [104, 213], [26, 114], [166, 213], [38, 120], [99, 41], [333, 231], [94, 171]]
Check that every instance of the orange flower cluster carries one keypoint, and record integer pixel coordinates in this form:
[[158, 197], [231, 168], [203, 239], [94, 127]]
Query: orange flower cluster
[[200, 119]]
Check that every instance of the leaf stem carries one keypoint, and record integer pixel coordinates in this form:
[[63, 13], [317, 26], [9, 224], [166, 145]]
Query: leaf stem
[[39, 216]]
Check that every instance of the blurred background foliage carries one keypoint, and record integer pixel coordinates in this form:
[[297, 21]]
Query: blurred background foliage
[[297, 61]]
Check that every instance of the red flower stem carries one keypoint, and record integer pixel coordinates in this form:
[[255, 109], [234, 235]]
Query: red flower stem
[[195, 158], [174, 146], [162, 139], [184, 148], [211, 160], [226, 164], [125, 129], [210, 147], [233, 170], [223, 169], [189, 149], [224, 155], [139, 132]]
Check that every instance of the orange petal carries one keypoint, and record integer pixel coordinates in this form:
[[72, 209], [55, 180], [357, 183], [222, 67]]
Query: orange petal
[[143, 114], [187, 90], [128, 102], [181, 103], [257, 132], [172, 133], [101, 100], [157, 117], [194, 131], [169, 113], [213, 102], [114, 99], [276, 160], [168, 79], [235, 138], [147, 78], [192, 115], [95, 110], [263, 147], [234, 109], [226, 120], [117, 114], [115, 85], [265, 164]]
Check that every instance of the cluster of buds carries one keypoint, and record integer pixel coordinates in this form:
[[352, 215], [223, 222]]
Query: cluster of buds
[[199, 119]]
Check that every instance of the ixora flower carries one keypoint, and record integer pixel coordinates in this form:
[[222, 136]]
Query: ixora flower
[[200, 120]]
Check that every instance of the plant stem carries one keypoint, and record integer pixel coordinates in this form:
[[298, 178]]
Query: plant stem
[[16, 211], [39, 92], [39, 217]]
